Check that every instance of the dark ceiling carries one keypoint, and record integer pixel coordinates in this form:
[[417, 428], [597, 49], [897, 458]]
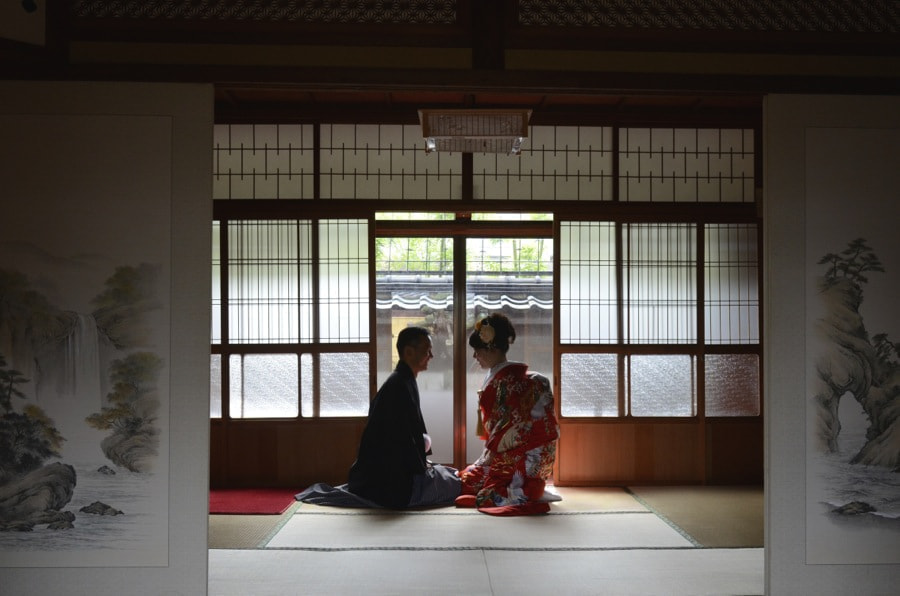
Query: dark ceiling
[[381, 60]]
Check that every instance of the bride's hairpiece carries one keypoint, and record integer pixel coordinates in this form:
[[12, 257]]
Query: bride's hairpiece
[[486, 333]]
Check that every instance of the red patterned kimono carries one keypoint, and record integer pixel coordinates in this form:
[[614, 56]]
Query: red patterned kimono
[[520, 431]]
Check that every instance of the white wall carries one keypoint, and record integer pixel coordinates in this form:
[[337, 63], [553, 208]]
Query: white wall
[[787, 122], [185, 197]]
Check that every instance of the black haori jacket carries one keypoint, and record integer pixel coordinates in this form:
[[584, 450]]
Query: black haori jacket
[[392, 448]]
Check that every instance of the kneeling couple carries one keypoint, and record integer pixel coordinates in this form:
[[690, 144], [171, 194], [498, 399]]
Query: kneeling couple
[[516, 419]]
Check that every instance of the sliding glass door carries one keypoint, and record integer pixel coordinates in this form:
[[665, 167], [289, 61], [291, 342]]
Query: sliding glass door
[[422, 281], [414, 286], [513, 276]]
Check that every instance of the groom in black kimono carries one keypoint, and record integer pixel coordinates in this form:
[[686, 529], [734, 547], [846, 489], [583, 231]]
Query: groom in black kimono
[[391, 467]]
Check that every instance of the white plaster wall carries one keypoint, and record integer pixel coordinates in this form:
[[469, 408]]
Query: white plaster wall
[[189, 110], [786, 122]]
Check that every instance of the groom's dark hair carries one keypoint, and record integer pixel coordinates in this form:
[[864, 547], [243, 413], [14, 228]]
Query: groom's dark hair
[[409, 337]]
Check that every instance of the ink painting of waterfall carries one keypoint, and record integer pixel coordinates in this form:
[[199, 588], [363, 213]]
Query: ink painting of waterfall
[[84, 350], [853, 347]]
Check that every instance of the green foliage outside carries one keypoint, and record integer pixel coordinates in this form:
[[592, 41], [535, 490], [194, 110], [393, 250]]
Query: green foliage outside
[[435, 255]]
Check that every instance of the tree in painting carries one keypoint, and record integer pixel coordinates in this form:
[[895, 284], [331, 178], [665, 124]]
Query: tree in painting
[[855, 363], [132, 404], [73, 363], [27, 438], [131, 415]]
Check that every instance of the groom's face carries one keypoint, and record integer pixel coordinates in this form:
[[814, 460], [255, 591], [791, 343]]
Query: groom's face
[[418, 355]]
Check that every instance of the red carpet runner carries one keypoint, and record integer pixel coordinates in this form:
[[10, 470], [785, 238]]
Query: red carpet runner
[[251, 501]]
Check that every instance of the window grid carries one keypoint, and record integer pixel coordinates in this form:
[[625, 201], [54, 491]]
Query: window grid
[[384, 161], [388, 161], [263, 161], [564, 163], [587, 280], [731, 295], [216, 322], [686, 165], [271, 269], [556, 162], [660, 269], [270, 282], [343, 280]]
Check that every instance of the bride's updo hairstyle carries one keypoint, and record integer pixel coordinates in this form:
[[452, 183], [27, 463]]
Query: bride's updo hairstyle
[[493, 332]]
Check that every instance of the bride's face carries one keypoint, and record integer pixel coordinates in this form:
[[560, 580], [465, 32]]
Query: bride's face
[[487, 358]]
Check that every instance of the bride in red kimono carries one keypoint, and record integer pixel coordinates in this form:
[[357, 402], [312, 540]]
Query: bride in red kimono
[[517, 421]]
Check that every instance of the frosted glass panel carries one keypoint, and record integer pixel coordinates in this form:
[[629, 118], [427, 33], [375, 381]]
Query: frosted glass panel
[[215, 385], [270, 281], [732, 385], [732, 284], [216, 323], [660, 283], [344, 384], [344, 280], [589, 385], [306, 386], [587, 283], [662, 385], [264, 386]]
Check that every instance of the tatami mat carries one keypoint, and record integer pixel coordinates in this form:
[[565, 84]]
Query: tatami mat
[[714, 516], [693, 572], [448, 550], [474, 531], [242, 531], [574, 500], [245, 531], [594, 499], [709, 516]]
